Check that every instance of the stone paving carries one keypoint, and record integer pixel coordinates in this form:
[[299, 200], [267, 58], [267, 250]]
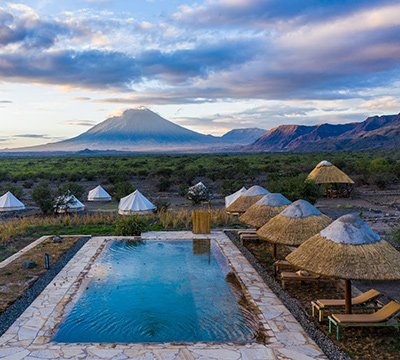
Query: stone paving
[[30, 335]]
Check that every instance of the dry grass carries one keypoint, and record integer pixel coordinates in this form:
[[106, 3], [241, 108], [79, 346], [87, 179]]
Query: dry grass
[[329, 175], [15, 227]]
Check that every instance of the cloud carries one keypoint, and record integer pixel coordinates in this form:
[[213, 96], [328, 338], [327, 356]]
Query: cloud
[[382, 103], [33, 136], [261, 13], [111, 69], [6, 102], [28, 30], [81, 122]]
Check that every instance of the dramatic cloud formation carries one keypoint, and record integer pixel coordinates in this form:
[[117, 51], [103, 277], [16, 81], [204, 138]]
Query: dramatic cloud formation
[[340, 56]]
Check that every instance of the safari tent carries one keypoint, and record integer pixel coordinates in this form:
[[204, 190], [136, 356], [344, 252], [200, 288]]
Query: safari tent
[[99, 194], [135, 204], [8, 202]]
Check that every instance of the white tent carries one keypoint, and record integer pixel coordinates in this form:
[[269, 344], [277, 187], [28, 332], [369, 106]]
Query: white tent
[[72, 204], [99, 194], [8, 202], [135, 204], [232, 197]]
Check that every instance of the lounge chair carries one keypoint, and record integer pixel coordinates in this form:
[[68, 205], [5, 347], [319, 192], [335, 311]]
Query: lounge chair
[[280, 265], [363, 300], [294, 277], [386, 316]]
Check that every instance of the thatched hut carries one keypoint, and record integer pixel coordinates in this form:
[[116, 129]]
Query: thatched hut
[[248, 198], [348, 249], [294, 225], [333, 180], [264, 210]]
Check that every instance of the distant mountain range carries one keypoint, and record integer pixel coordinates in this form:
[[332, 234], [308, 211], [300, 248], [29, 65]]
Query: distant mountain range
[[377, 132], [141, 130]]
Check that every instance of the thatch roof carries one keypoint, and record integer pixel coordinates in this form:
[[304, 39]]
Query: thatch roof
[[327, 173], [250, 197], [265, 209], [294, 225], [348, 249]]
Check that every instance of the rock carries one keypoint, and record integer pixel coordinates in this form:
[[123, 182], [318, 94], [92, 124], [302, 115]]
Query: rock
[[57, 239], [28, 264]]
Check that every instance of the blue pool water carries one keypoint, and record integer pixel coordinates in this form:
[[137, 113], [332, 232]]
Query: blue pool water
[[159, 291]]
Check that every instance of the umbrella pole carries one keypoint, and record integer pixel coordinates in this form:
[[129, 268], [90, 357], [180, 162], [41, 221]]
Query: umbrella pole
[[347, 296], [275, 252]]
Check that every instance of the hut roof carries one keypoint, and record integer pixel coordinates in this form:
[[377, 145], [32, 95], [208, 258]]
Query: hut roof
[[273, 199], [248, 198], [294, 225], [301, 209], [348, 249], [264, 209], [232, 197], [256, 190], [327, 173]]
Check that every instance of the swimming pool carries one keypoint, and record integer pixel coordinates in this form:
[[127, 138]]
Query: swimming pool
[[160, 291]]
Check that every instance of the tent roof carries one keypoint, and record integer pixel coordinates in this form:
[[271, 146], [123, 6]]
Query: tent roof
[[232, 197], [98, 193], [9, 202], [327, 173], [135, 201], [300, 209]]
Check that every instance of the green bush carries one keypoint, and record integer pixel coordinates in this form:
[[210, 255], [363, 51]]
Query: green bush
[[16, 190], [129, 226], [122, 189], [43, 197], [73, 188]]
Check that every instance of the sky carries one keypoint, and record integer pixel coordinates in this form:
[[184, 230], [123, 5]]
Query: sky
[[209, 65]]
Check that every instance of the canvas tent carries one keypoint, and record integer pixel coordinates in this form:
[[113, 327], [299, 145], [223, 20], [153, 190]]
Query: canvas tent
[[135, 204], [8, 202], [232, 197], [69, 203], [99, 194]]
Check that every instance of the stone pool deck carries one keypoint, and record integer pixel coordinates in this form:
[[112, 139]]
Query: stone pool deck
[[30, 335]]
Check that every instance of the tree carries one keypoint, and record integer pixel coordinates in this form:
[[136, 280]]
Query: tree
[[43, 197]]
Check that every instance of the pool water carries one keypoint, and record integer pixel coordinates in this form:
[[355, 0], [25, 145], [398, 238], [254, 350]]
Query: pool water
[[159, 291]]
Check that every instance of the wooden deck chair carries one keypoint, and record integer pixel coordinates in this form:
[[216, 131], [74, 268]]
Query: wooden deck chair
[[280, 265], [386, 316], [294, 277], [361, 301]]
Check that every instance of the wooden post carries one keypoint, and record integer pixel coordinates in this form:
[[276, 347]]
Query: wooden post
[[275, 253], [347, 296], [201, 220]]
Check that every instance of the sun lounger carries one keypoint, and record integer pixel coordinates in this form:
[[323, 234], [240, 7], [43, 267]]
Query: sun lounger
[[365, 299], [386, 316], [280, 265], [293, 277]]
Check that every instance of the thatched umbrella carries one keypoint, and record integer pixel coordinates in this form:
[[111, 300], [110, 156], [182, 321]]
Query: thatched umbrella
[[327, 173], [265, 209], [294, 225], [348, 249], [250, 197]]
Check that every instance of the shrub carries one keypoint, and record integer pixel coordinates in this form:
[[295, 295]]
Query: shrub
[[129, 226], [121, 189], [43, 197], [162, 205], [72, 188], [164, 184], [16, 190]]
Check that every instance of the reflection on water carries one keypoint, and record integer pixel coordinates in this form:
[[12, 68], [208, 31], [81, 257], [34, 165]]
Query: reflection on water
[[160, 291]]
